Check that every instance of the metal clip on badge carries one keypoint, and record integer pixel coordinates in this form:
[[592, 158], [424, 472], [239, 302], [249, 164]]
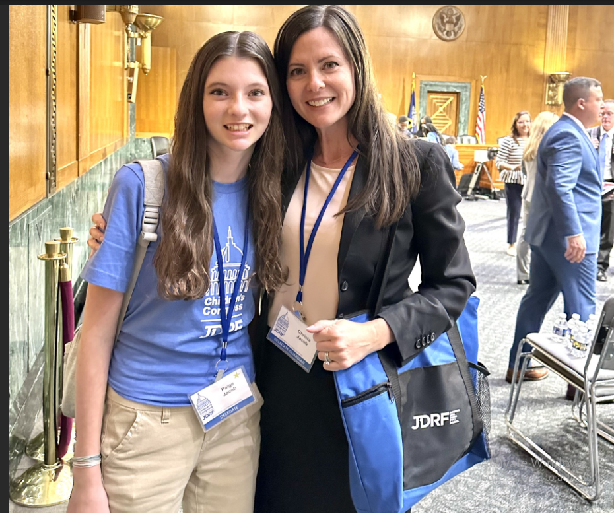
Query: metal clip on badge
[[223, 360]]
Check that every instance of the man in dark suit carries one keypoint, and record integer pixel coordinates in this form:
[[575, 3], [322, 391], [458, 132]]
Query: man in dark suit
[[564, 219], [602, 137]]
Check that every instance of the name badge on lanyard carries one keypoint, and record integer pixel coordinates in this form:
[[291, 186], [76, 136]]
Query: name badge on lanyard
[[222, 399], [289, 332], [228, 394]]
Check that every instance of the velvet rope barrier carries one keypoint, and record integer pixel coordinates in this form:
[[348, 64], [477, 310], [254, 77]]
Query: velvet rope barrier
[[68, 331]]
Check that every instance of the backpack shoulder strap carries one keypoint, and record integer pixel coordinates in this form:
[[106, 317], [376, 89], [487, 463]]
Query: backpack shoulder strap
[[154, 191]]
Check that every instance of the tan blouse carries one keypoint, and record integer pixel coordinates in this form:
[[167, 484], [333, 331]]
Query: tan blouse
[[320, 293]]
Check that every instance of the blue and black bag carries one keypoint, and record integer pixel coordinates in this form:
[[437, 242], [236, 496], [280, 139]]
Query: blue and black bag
[[412, 428]]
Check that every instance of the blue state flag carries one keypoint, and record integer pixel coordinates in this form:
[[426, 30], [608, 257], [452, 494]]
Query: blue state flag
[[412, 115]]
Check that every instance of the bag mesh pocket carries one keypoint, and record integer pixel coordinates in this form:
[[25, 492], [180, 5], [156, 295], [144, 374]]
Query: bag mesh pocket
[[480, 374]]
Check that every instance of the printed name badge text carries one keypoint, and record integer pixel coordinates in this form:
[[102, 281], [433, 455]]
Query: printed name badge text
[[289, 334], [217, 402]]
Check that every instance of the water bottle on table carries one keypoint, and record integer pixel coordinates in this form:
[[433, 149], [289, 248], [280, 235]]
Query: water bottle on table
[[580, 340], [561, 331]]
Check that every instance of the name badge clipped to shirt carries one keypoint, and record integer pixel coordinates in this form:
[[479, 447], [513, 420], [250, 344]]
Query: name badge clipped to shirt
[[289, 334], [223, 398]]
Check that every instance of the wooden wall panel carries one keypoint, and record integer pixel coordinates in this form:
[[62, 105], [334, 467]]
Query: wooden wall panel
[[590, 44], [102, 91], [27, 106], [67, 99], [187, 27], [506, 43], [155, 102], [510, 44]]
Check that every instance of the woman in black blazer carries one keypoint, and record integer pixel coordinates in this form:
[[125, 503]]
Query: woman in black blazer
[[332, 115]]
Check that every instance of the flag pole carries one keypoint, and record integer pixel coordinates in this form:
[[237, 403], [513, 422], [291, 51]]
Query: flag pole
[[412, 113], [480, 124]]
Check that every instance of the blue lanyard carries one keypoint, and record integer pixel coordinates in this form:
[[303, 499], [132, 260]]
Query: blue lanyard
[[225, 315], [304, 255]]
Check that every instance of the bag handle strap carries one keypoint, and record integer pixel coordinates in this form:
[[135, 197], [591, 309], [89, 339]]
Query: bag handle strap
[[458, 350], [386, 361], [154, 189], [454, 338]]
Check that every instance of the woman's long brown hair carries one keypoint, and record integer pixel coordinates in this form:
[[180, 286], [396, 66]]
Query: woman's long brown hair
[[393, 177], [183, 257]]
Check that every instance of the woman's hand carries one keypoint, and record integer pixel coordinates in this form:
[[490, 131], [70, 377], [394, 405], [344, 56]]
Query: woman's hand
[[97, 232], [348, 342]]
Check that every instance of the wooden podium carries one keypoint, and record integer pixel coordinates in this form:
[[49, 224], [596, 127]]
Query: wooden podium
[[467, 158]]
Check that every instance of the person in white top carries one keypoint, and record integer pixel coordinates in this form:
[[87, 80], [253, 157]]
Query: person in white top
[[538, 127], [509, 162], [602, 137]]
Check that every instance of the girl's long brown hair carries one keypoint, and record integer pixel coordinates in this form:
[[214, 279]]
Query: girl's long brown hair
[[183, 257], [393, 177]]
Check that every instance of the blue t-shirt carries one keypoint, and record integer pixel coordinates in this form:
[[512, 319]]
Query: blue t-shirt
[[166, 349]]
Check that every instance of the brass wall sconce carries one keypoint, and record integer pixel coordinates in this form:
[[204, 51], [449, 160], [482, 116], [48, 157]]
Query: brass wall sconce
[[146, 23], [87, 14], [139, 29], [554, 88]]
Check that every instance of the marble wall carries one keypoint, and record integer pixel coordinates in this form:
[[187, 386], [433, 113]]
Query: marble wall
[[72, 206]]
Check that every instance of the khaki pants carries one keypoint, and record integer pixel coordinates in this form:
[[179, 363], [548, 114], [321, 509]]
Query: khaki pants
[[158, 459]]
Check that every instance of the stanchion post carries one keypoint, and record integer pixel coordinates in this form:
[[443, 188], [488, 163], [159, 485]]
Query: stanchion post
[[66, 246], [66, 274], [65, 440], [53, 336], [35, 448], [49, 482]]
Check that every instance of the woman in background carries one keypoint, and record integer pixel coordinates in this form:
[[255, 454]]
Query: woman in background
[[509, 162], [538, 127]]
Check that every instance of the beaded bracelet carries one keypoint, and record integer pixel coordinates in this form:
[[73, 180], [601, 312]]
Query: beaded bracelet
[[86, 461]]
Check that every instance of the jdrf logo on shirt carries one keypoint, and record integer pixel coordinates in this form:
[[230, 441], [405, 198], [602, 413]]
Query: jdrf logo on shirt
[[436, 419]]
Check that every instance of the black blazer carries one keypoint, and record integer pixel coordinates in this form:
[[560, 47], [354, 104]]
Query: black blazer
[[431, 229]]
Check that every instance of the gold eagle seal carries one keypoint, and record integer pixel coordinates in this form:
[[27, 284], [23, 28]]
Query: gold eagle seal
[[448, 23]]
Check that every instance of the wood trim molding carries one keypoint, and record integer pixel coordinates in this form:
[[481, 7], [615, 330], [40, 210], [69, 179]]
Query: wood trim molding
[[52, 43], [556, 39], [87, 162]]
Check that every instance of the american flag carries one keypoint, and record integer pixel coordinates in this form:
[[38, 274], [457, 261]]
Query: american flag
[[412, 114], [480, 125]]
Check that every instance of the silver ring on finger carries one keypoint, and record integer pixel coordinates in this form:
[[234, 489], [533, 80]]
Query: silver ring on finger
[[326, 359]]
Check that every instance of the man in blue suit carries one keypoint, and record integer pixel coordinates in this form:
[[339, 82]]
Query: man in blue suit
[[564, 220]]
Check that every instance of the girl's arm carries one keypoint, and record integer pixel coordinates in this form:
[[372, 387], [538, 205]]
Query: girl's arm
[[101, 312]]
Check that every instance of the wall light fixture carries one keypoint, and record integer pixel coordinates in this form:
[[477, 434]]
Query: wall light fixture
[[554, 88]]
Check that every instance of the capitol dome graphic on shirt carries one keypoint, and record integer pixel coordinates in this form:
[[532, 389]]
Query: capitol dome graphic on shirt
[[231, 260], [231, 251]]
